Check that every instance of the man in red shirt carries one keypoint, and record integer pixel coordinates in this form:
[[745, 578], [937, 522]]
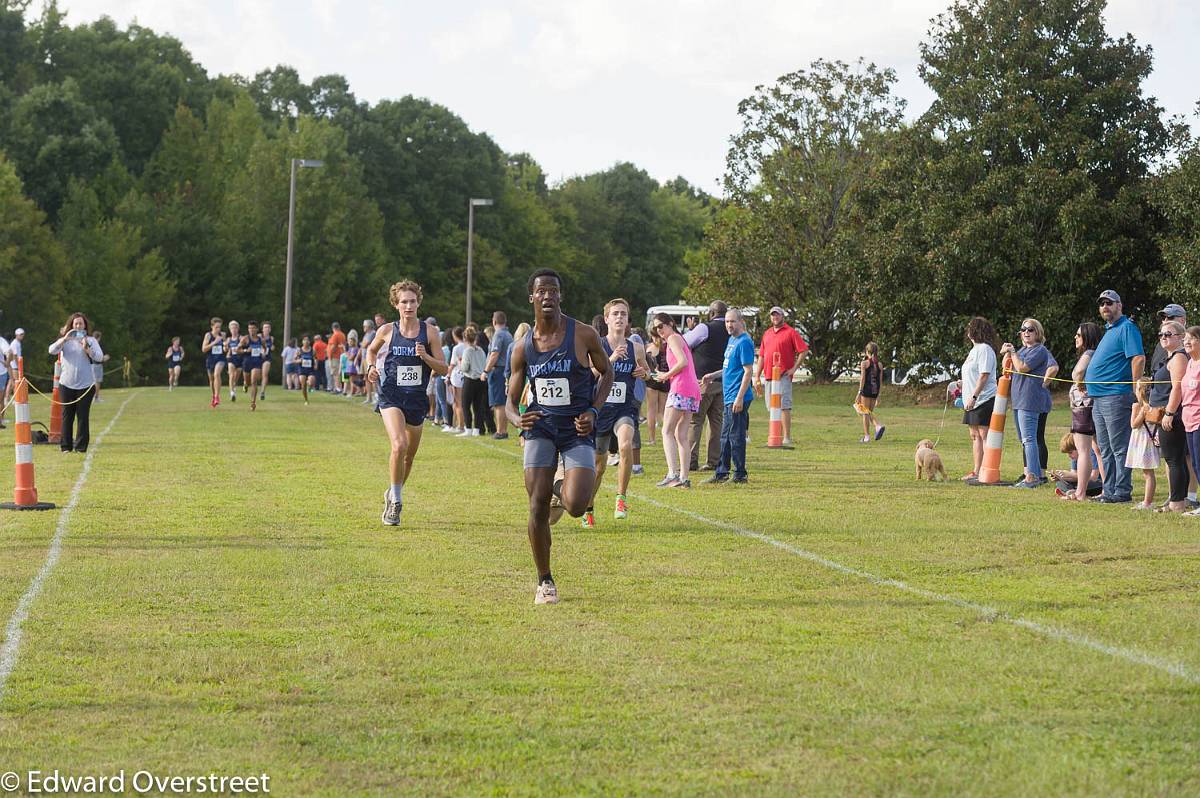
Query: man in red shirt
[[337, 345], [320, 348], [781, 339]]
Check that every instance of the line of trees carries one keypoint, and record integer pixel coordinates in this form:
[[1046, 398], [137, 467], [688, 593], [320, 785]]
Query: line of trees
[[1041, 175], [137, 188]]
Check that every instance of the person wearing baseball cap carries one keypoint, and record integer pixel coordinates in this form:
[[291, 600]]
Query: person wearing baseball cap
[[1120, 358], [791, 347], [1171, 312]]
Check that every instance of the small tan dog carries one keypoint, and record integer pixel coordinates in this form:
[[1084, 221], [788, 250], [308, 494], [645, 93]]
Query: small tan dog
[[929, 462]]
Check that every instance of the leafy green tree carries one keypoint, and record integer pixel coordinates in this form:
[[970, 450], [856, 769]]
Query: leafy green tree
[[792, 174], [120, 284], [1177, 198], [1033, 198], [55, 136], [33, 268], [133, 78]]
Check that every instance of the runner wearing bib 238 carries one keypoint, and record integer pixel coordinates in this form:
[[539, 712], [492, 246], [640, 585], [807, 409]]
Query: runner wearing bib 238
[[403, 381]]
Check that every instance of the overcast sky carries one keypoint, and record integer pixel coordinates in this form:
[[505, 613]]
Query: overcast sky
[[583, 84]]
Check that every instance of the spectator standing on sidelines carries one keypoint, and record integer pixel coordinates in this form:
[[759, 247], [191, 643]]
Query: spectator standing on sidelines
[[735, 377], [98, 368], [498, 352], [1171, 312], [291, 371], [336, 346], [707, 342], [1119, 359], [368, 335], [792, 349], [4, 379], [76, 382], [472, 361], [321, 349]]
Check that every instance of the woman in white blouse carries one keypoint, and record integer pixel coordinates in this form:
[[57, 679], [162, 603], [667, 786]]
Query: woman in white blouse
[[76, 382]]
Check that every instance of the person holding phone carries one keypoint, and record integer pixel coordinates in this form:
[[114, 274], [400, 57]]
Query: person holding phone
[[76, 382]]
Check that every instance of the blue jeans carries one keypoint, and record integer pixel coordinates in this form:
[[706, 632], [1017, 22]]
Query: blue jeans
[[439, 392], [1111, 417], [733, 443], [1028, 424]]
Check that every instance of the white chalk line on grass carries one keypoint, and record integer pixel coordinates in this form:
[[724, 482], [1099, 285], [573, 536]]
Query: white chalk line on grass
[[12, 632], [1176, 669]]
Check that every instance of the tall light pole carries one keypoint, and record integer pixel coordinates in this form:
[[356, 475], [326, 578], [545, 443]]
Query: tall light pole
[[471, 245], [287, 290]]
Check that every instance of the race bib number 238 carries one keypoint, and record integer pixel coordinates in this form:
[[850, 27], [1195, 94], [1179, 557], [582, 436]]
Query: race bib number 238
[[407, 376]]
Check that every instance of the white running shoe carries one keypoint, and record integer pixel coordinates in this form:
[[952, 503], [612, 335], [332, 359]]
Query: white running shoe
[[447, 428], [614, 459], [391, 509], [546, 593], [474, 433], [638, 471], [466, 433]]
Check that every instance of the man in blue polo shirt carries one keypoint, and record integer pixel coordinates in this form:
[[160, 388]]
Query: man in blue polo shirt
[[736, 379], [1119, 359]]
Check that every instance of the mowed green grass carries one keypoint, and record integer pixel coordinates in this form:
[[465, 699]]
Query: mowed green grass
[[227, 601]]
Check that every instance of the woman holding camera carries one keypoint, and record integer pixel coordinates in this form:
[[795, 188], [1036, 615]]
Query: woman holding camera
[[76, 383]]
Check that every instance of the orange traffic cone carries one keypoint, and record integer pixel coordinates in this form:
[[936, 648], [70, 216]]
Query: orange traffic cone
[[993, 447], [55, 407], [24, 494], [775, 402]]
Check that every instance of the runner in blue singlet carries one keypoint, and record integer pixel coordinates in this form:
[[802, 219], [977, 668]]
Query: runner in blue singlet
[[619, 414], [570, 377], [305, 360], [252, 359], [174, 358], [213, 348], [408, 361], [268, 350], [233, 358]]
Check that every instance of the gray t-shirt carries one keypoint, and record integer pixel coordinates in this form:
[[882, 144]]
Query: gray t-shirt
[[502, 341]]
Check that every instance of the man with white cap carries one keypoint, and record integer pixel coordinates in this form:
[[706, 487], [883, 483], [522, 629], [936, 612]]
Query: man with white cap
[[791, 347], [1120, 358]]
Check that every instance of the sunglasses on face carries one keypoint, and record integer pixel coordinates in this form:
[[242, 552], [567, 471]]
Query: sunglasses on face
[[1106, 302], [1167, 335], [1028, 329]]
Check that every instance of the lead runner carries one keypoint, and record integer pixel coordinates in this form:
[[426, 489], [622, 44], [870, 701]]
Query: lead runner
[[558, 357], [408, 362]]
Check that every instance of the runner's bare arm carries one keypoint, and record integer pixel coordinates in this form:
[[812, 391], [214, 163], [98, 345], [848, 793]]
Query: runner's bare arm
[[643, 365], [516, 386], [600, 365]]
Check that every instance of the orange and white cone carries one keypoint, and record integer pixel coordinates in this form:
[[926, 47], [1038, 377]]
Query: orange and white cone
[[55, 407], [24, 494], [993, 447], [775, 392]]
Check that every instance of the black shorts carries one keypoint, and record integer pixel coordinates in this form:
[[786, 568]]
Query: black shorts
[[981, 414], [414, 414]]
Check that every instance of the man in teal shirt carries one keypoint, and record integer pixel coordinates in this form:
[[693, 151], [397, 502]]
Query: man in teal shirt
[[1119, 360], [736, 378]]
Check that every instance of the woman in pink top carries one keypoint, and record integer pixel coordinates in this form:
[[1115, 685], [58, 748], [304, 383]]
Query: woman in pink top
[[1190, 406], [682, 400]]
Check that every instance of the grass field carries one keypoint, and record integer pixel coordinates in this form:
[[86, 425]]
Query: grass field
[[228, 602]]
